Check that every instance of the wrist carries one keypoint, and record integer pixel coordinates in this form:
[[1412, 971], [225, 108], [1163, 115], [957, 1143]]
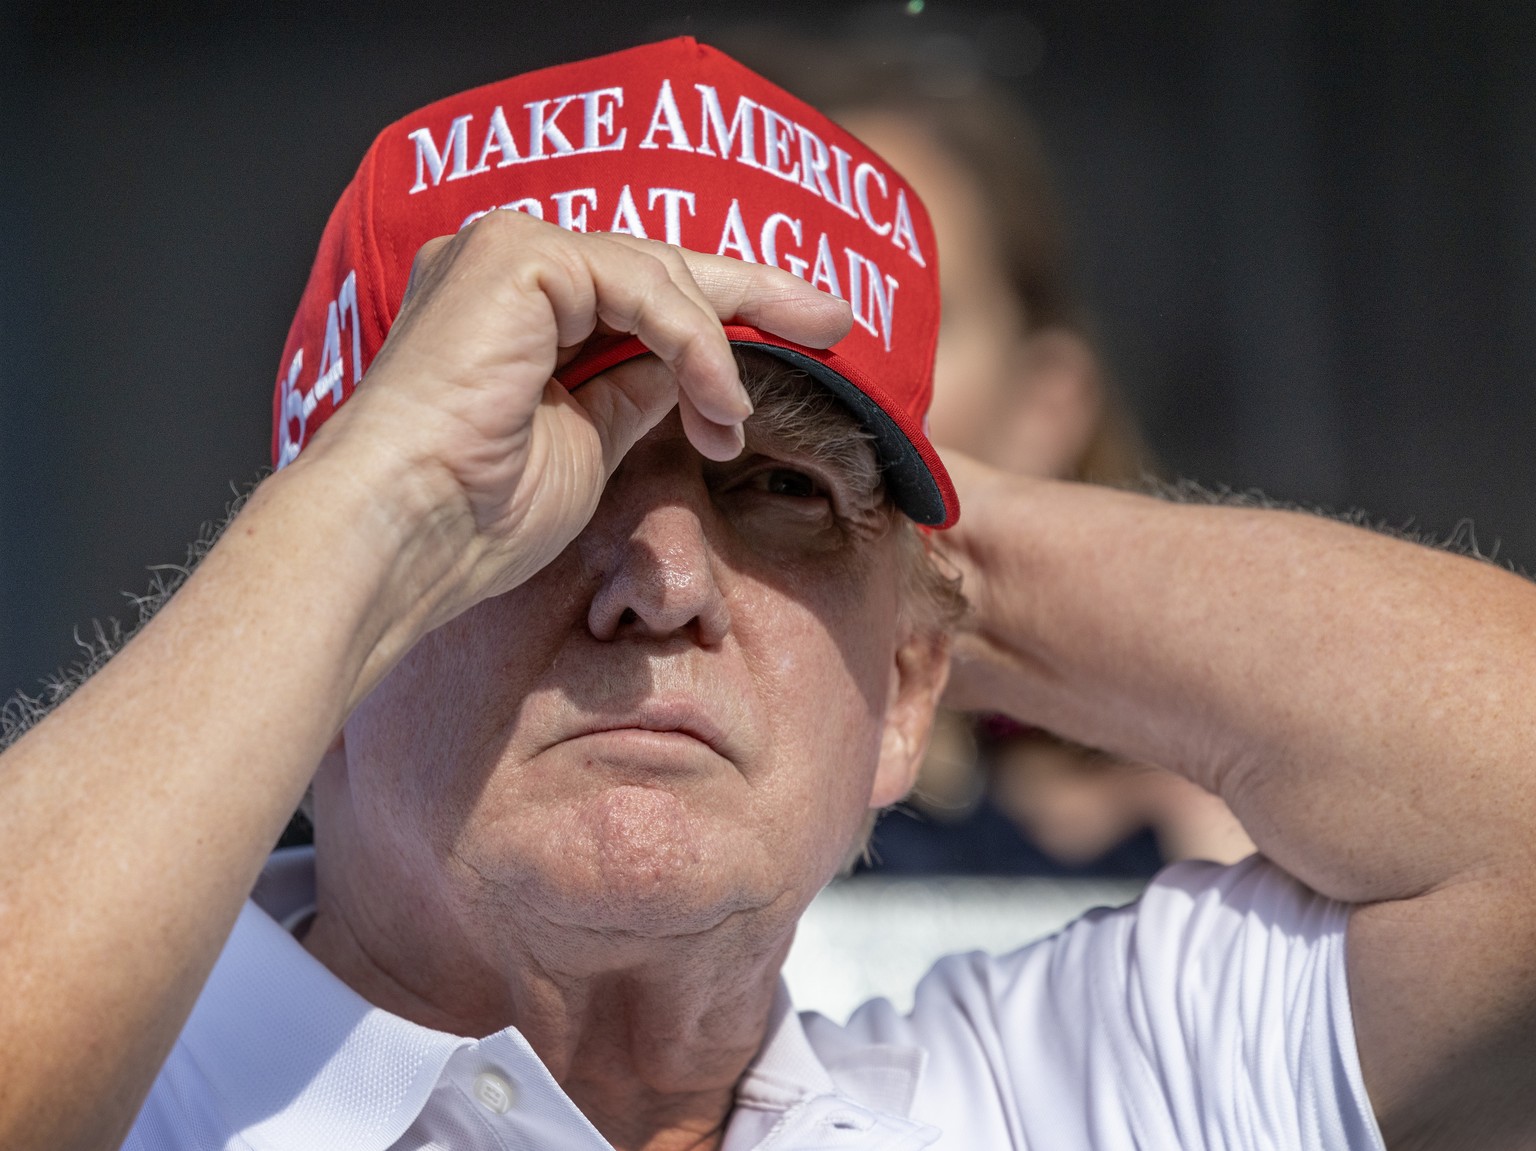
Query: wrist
[[380, 535]]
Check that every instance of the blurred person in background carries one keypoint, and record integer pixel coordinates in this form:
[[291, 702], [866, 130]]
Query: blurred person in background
[[1018, 383]]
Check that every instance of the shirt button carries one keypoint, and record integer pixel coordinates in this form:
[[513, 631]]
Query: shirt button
[[494, 1092], [850, 1121]]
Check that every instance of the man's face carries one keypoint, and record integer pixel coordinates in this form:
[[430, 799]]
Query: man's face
[[686, 716]]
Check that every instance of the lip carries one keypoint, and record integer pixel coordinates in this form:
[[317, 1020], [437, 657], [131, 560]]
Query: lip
[[662, 718]]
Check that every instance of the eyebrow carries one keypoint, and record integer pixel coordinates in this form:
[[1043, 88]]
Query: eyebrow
[[794, 414]]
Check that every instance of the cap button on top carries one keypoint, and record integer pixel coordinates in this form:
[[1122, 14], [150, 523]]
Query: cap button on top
[[493, 1092]]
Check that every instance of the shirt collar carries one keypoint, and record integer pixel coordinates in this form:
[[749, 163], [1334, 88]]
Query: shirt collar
[[296, 1059], [789, 1068]]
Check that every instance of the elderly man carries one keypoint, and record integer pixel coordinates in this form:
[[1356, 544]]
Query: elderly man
[[598, 674]]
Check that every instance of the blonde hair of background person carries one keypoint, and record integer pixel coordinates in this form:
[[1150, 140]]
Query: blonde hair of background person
[[1018, 383]]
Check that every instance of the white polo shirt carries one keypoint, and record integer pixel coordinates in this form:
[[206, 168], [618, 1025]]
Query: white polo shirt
[[1212, 1014]]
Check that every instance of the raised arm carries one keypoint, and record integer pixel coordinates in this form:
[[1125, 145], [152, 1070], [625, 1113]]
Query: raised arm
[[1366, 706], [134, 820]]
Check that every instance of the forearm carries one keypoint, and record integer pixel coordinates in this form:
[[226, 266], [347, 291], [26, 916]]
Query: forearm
[[1358, 701], [134, 820]]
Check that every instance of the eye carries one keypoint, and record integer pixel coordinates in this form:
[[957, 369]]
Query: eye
[[787, 482]]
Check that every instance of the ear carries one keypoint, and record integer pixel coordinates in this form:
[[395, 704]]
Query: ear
[[1059, 403], [919, 672]]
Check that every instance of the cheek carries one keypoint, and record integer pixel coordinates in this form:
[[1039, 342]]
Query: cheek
[[402, 739], [421, 745], [822, 670]]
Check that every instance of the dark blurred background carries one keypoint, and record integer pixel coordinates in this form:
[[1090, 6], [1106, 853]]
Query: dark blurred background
[[1309, 232]]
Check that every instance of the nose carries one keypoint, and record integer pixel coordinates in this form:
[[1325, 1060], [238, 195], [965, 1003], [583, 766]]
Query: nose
[[658, 575]]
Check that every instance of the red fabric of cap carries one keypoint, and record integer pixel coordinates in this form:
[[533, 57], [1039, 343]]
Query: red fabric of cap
[[672, 141]]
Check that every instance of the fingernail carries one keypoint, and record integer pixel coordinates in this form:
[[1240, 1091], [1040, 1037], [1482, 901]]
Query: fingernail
[[744, 406]]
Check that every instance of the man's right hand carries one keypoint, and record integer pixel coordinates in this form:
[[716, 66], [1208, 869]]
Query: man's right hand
[[504, 465], [147, 803]]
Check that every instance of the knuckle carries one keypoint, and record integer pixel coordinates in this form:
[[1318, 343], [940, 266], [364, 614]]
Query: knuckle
[[650, 274], [427, 255], [490, 230], [501, 230], [513, 240], [669, 254], [658, 270], [560, 250], [652, 259], [671, 257], [502, 220]]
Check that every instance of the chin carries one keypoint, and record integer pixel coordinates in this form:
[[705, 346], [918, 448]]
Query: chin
[[636, 860]]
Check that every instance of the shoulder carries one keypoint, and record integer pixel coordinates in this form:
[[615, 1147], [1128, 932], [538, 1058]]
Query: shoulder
[[1191, 924], [1214, 1006]]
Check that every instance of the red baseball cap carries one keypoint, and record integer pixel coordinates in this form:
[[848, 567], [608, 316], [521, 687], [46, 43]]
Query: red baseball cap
[[672, 141]]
